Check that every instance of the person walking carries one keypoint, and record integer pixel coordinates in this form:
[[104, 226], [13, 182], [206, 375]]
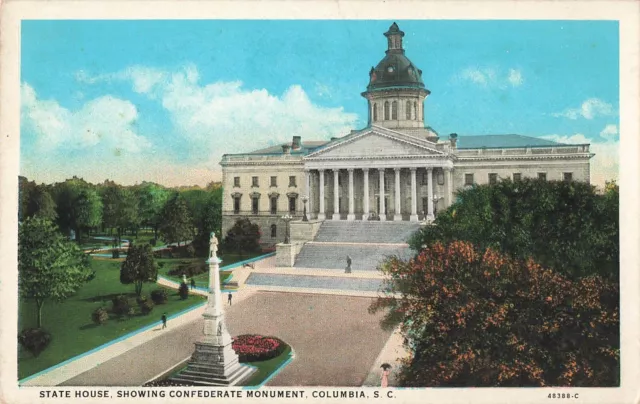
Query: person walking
[[193, 283], [229, 296], [164, 321]]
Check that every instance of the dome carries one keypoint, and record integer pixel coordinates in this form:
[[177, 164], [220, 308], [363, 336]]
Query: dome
[[395, 69]]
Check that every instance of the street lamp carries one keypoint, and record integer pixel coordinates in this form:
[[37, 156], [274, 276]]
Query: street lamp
[[287, 218], [304, 214]]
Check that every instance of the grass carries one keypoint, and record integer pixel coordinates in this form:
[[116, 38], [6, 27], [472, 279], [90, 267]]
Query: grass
[[202, 280], [266, 368], [70, 323]]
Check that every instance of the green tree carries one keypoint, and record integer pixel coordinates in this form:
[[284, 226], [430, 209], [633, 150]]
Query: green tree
[[152, 198], [120, 209], [41, 204], [49, 266], [87, 211], [566, 226], [474, 318], [25, 189], [243, 237], [139, 267], [210, 221], [177, 225]]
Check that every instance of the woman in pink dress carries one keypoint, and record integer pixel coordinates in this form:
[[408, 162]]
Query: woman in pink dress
[[385, 375]]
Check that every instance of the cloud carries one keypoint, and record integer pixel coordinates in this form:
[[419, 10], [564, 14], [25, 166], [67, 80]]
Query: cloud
[[491, 78], [144, 79], [102, 122], [605, 164], [589, 109], [610, 131]]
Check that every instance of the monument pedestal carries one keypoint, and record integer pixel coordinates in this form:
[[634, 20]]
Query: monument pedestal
[[214, 362]]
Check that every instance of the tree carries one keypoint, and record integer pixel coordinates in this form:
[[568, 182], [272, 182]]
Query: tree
[[139, 267], [87, 211], [478, 318], [566, 226], [25, 189], [49, 266], [243, 237], [210, 221], [152, 198], [42, 204], [120, 209], [177, 225]]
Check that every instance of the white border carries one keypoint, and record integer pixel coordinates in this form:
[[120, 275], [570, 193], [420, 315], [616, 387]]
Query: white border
[[626, 12]]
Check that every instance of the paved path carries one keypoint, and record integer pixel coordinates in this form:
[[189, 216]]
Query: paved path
[[335, 340], [315, 282]]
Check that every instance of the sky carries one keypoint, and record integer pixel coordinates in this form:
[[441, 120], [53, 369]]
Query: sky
[[163, 100]]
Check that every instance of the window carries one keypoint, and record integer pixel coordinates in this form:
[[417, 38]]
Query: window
[[292, 204], [425, 178], [415, 110], [236, 205], [567, 177], [394, 110], [254, 205], [273, 205], [468, 179], [408, 111], [542, 176], [375, 111], [274, 181], [254, 181], [493, 179], [517, 176], [292, 181], [274, 231], [236, 181], [386, 110]]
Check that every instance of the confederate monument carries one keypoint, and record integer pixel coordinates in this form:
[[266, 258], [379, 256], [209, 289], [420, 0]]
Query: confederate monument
[[214, 362]]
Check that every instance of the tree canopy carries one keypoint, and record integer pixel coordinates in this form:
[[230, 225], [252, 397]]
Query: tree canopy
[[566, 226], [139, 267], [243, 237], [49, 266], [177, 224]]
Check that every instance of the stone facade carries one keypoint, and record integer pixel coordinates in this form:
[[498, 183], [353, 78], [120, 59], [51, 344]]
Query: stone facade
[[397, 156]]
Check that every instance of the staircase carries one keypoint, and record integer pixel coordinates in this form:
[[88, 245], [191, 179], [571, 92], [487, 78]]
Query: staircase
[[203, 375], [366, 242]]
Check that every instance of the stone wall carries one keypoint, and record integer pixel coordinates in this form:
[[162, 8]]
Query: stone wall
[[286, 254], [304, 231]]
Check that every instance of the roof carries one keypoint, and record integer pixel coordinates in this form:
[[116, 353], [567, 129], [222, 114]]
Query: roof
[[306, 147], [503, 141]]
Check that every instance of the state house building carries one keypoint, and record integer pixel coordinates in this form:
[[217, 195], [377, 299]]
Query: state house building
[[396, 168]]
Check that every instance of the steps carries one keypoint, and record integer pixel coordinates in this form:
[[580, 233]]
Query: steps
[[367, 232], [364, 257], [201, 375]]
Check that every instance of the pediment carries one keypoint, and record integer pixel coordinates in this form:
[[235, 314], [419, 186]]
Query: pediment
[[374, 144]]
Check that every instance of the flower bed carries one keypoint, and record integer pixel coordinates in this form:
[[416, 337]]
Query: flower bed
[[255, 348]]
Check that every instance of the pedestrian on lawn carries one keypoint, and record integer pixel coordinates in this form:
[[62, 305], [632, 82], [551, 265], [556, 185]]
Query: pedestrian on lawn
[[164, 320]]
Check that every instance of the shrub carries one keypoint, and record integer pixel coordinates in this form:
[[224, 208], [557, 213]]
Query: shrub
[[183, 291], [479, 318], [100, 315], [255, 348], [34, 340], [141, 299], [146, 306], [153, 242], [190, 269], [190, 251], [159, 296], [115, 253], [121, 305]]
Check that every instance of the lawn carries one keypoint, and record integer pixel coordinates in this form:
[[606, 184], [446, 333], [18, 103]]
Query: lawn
[[143, 237], [70, 323], [202, 280], [266, 368]]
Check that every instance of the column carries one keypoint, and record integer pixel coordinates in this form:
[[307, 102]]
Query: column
[[351, 215], [336, 198], [321, 215], [307, 182], [430, 216], [448, 186], [397, 214], [383, 215], [414, 196], [365, 197]]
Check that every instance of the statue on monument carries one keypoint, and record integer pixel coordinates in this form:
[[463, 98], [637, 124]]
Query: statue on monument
[[213, 245], [220, 328]]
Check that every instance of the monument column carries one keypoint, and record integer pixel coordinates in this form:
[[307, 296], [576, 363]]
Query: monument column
[[381, 213], [321, 215], [365, 200], [430, 193], [414, 196], [398, 213], [336, 195], [351, 215]]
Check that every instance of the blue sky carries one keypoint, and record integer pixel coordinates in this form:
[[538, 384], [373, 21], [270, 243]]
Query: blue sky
[[163, 100]]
